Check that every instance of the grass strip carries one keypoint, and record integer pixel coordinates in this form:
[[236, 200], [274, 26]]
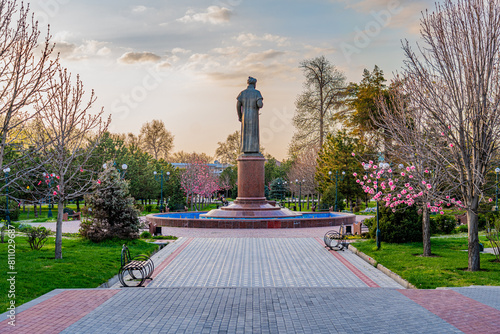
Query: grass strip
[[446, 268], [84, 265]]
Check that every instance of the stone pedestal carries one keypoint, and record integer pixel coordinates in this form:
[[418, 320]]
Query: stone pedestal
[[251, 201]]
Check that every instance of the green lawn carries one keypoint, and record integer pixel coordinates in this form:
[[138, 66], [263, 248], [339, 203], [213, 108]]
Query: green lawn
[[447, 269], [28, 213], [84, 265]]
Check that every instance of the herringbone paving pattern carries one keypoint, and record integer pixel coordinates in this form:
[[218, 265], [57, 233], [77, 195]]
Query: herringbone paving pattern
[[262, 285], [261, 310], [273, 262]]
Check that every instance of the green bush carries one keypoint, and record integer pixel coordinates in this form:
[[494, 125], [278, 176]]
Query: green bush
[[328, 199], [174, 197], [164, 237], [487, 218], [404, 225], [148, 207], [37, 236], [14, 210], [68, 211], [443, 224], [463, 228], [145, 235], [113, 214]]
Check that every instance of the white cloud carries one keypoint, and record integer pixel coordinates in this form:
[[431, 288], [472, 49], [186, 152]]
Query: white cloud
[[262, 56], [138, 57], [164, 65], [81, 51], [139, 9], [229, 50], [314, 51], [212, 15], [250, 39], [180, 50]]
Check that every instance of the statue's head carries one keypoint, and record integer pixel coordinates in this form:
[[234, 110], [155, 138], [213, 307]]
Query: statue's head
[[251, 81]]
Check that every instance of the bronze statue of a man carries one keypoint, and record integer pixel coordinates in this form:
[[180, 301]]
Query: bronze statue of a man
[[248, 105]]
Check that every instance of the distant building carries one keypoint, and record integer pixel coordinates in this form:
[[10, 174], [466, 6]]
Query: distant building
[[216, 168]]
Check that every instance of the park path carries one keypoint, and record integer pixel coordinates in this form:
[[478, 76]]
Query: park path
[[266, 284]]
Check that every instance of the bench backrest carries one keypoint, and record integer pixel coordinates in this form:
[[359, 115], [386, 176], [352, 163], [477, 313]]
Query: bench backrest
[[125, 255]]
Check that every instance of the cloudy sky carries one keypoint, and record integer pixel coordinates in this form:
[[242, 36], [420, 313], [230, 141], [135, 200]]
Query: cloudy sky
[[184, 62]]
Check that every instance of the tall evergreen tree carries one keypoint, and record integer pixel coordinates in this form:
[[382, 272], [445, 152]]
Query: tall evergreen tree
[[361, 110], [112, 211]]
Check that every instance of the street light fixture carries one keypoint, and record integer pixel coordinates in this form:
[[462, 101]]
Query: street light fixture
[[122, 172], [7, 212], [497, 170], [336, 187], [161, 186], [51, 178], [286, 190], [384, 166]]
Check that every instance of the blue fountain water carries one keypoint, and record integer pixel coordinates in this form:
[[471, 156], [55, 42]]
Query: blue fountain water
[[196, 215]]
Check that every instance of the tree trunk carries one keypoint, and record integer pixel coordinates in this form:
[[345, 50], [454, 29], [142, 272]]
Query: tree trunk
[[472, 222], [426, 231], [34, 210], [77, 205], [58, 251]]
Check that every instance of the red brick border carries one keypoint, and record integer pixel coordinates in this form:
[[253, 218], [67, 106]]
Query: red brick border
[[464, 313], [299, 222], [57, 313], [169, 259], [368, 281]]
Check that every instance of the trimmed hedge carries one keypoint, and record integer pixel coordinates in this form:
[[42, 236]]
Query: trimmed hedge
[[404, 225]]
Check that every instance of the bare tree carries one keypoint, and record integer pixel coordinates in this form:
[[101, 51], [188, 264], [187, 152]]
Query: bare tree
[[70, 133], [228, 151], [185, 157], [156, 139], [25, 70], [132, 142], [323, 93], [302, 173], [454, 83]]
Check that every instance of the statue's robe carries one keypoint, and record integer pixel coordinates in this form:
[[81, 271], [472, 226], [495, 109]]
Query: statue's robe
[[249, 103]]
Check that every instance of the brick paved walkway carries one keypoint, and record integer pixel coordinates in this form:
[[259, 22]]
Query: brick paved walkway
[[253, 262], [261, 285]]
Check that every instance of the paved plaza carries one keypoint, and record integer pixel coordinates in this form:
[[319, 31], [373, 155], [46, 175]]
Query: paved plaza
[[272, 283]]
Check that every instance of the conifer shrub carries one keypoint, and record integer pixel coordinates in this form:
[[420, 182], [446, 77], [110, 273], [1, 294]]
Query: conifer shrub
[[111, 210]]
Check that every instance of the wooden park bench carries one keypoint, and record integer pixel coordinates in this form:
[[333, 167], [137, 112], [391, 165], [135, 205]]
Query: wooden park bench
[[139, 268], [75, 216], [335, 240]]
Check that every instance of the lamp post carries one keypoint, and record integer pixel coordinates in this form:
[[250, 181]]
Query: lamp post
[[286, 190], [50, 177], [121, 172], [384, 166], [497, 170], [161, 186], [300, 192], [336, 188], [7, 213]]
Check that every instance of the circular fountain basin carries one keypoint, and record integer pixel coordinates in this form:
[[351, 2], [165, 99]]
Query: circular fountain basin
[[197, 220]]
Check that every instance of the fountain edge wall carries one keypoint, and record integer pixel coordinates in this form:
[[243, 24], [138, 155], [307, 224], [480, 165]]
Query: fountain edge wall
[[346, 219]]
